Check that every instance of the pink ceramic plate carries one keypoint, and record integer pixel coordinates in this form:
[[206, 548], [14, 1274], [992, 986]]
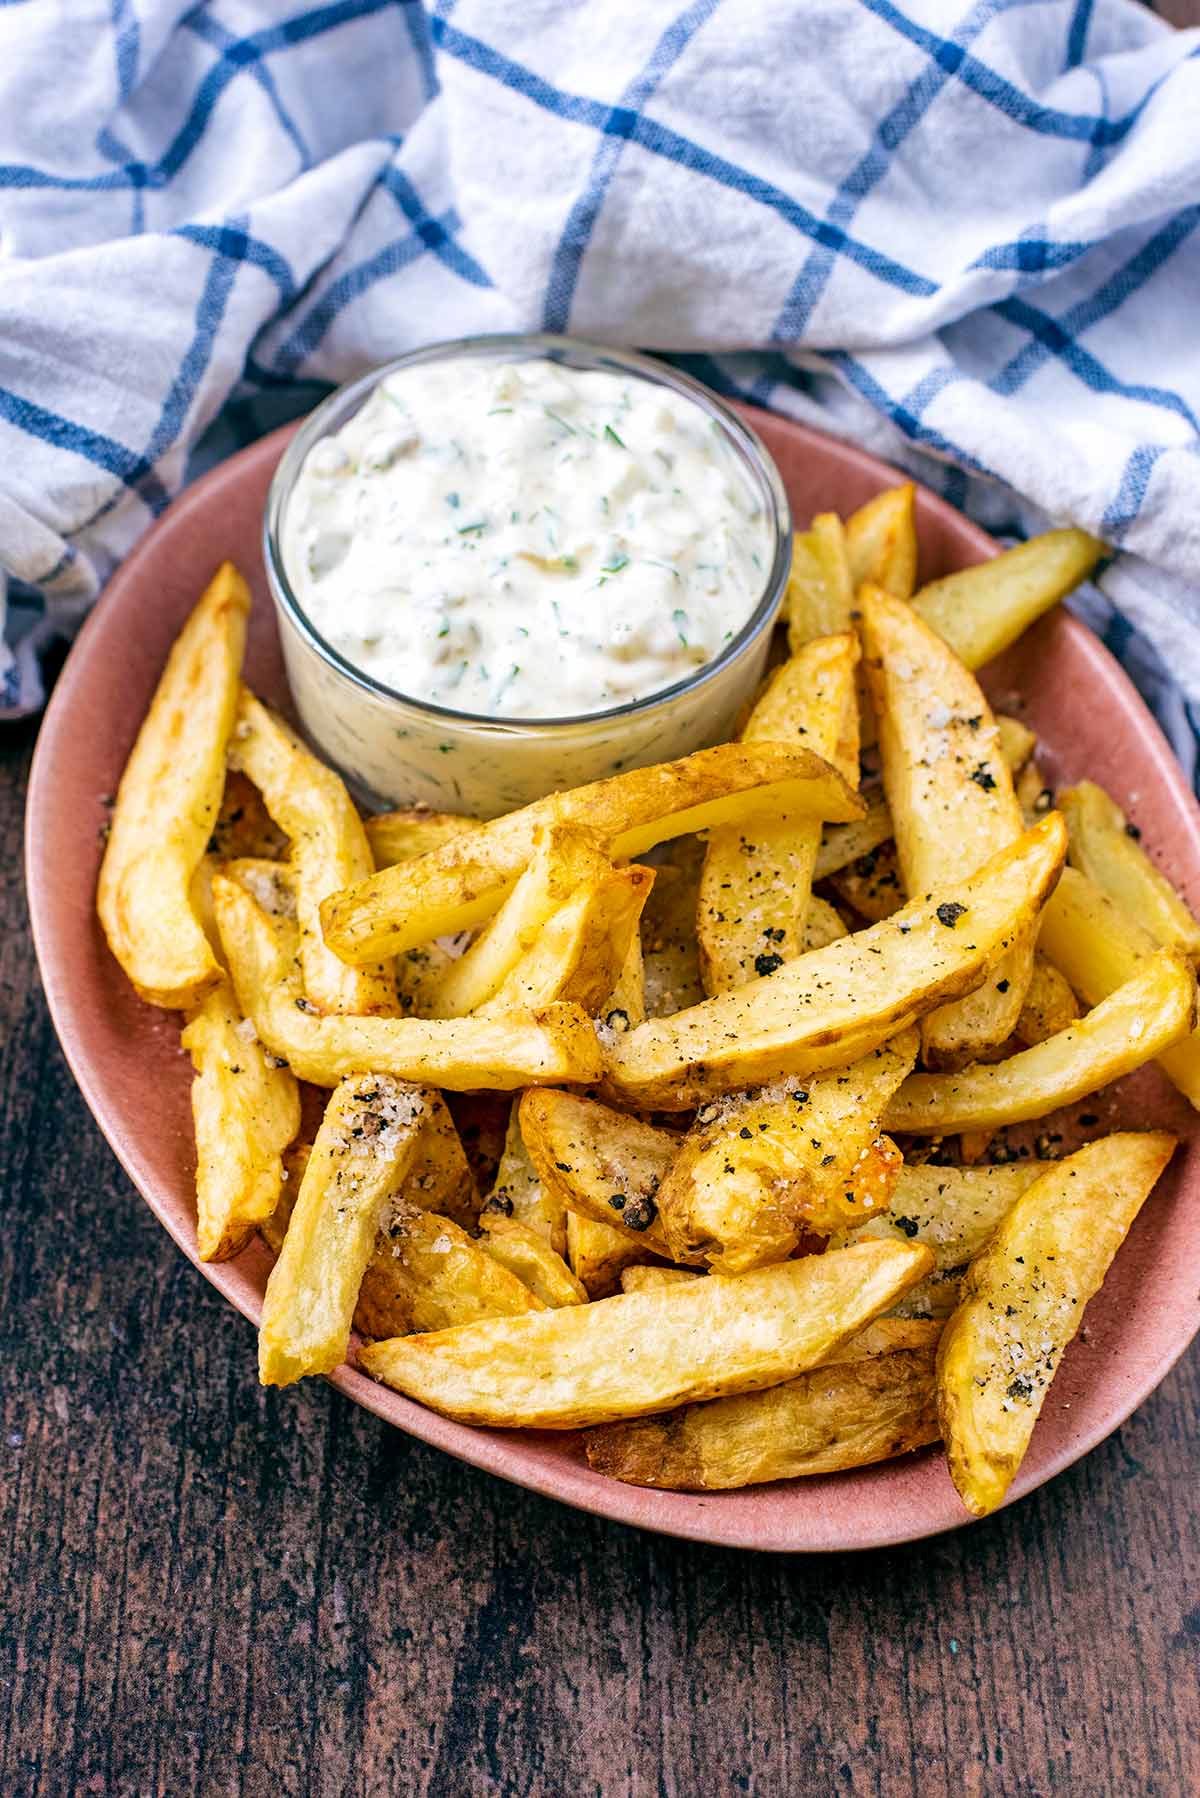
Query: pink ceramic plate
[[127, 1060]]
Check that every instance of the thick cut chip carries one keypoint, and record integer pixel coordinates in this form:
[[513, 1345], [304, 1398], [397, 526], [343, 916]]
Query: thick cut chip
[[823, 925], [599, 1254], [951, 798], [557, 1043], [168, 801], [246, 1110], [1098, 948], [845, 1414], [649, 1351], [1016, 742], [460, 886], [647, 1279], [401, 836], [426, 1273], [362, 1156], [757, 878], [580, 950], [600, 1162], [820, 595], [954, 1211], [1023, 1301], [626, 1003], [881, 542], [526, 1253], [328, 851], [520, 1195], [842, 844], [670, 947], [873, 886], [1050, 1005], [758, 1168], [980, 611], [1103, 845], [1134, 1024], [836, 1004]]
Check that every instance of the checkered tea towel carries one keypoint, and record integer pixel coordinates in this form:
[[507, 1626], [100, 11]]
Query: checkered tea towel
[[964, 235]]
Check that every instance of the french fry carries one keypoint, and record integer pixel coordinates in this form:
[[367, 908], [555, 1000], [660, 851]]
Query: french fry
[[460, 886], [823, 924], [527, 1254], [1023, 1301], [836, 1004], [580, 950], [842, 844], [246, 1110], [954, 1211], [648, 1279], [600, 1162], [1050, 1005], [650, 1351], [951, 798], [820, 595], [601, 1254], [361, 1156], [873, 886], [1132, 1026], [461, 1054], [440, 1177], [244, 826], [1104, 846], [1015, 741], [519, 1194], [756, 1169], [980, 611], [626, 1004], [841, 1415], [168, 802], [402, 835], [328, 851], [426, 1273], [881, 542], [1097, 947], [1033, 795], [757, 876], [670, 947]]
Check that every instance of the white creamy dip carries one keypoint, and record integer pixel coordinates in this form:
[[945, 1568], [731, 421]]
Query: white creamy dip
[[526, 540]]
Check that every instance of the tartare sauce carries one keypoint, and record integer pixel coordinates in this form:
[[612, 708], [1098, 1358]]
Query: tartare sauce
[[526, 540]]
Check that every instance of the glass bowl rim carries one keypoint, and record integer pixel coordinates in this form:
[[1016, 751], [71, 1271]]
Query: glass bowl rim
[[576, 352]]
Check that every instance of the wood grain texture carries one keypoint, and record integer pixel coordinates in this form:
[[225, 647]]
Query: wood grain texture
[[206, 1588]]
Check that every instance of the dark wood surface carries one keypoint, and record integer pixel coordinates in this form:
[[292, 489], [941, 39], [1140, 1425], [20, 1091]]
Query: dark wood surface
[[210, 1589]]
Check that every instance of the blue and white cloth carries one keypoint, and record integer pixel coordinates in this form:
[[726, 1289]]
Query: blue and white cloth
[[965, 235]]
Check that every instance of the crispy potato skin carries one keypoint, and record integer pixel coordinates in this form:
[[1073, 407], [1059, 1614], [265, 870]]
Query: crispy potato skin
[[168, 802], [600, 1162], [649, 1351], [757, 876], [951, 798], [1153, 1010], [460, 886], [426, 1273], [245, 1110], [847, 1414], [836, 1004], [1023, 1301]]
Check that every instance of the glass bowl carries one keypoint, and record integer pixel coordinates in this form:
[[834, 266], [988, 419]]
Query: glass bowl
[[396, 749]]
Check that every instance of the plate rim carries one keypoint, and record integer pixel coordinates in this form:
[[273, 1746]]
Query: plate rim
[[706, 1518]]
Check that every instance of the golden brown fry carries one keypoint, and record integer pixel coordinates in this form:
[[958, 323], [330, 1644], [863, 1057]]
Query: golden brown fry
[[246, 1110], [842, 844], [823, 925], [599, 1254], [626, 1004], [951, 798], [461, 1054], [580, 950], [1098, 948], [1023, 1301], [600, 1162], [881, 542], [526, 1253], [440, 1177], [460, 886], [244, 827], [168, 801], [401, 836], [647, 1279], [843, 1414], [1050, 1005], [1015, 741], [649, 1351], [757, 876], [671, 950], [873, 886], [361, 1157], [954, 1211], [820, 595], [980, 611], [837, 1004], [1132, 1026], [1105, 847], [328, 851], [426, 1273], [757, 1168], [519, 1194]]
